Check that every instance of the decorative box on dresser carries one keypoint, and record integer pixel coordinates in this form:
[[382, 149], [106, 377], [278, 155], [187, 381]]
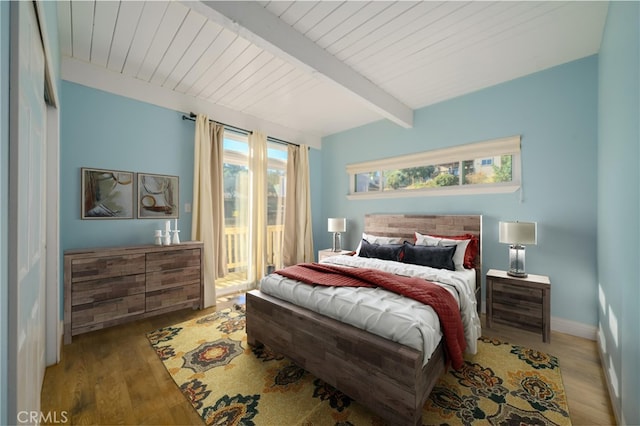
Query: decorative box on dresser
[[519, 302], [109, 286]]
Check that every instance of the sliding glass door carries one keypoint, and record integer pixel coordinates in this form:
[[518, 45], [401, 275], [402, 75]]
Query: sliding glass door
[[237, 207], [276, 184]]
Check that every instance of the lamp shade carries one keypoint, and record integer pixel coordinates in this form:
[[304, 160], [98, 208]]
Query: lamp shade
[[517, 232], [337, 224]]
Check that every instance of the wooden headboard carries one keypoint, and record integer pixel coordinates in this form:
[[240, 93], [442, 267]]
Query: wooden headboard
[[404, 225]]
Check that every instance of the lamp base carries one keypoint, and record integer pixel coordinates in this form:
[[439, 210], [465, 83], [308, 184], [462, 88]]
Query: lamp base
[[337, 242], [516, 261]]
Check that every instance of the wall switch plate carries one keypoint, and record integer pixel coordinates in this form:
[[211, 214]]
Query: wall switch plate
[[187, 207]]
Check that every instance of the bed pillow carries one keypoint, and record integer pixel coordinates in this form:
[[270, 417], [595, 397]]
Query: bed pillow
[[465, 253], [376, 239], [431, 240], [440, 257], [472, 248], [381, 251]]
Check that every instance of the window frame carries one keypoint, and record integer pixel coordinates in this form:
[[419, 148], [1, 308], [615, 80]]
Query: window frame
[[240, 159], [460, 153]]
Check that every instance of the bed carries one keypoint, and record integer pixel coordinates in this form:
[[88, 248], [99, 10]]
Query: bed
[[392, 379]]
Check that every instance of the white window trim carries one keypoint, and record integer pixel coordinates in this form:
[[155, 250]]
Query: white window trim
[[495, 147]]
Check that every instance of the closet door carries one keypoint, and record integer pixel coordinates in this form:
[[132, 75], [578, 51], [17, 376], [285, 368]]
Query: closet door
[[27, 216]]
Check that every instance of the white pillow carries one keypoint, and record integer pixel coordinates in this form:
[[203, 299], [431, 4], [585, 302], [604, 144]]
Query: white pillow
[[458, 256], [376, 239]]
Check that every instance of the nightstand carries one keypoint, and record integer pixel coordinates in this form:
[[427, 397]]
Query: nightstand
[[323, 254], [520, 302]]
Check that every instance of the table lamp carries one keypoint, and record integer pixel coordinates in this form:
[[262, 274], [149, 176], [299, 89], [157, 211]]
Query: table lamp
[[517, 234], [337, 225]]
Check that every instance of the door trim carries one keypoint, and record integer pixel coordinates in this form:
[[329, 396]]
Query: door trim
[[54, 327]]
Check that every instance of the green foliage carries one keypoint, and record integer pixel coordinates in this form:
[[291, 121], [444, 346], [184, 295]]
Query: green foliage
[[503, 173], [419, 173], [397, 179], [446, 179], [474, 178], [413, 177]]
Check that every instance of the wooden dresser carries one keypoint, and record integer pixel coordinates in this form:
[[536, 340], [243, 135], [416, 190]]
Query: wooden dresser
[[519, 302], [109, 286]]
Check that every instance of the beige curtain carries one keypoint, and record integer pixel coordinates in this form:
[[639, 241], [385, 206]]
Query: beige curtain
[[297, 245], [208, 202], [258, 196]]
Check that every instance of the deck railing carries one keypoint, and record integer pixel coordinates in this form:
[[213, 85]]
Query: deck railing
[[237, 251]]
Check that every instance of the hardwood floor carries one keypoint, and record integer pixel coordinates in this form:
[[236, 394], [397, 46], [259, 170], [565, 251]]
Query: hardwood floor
[[113, 376], [582, 374]]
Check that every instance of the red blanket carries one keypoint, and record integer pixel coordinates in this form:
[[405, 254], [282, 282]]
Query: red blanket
[[418, 289]]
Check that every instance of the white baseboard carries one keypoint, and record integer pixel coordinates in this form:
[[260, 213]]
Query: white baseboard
[[574, 328]]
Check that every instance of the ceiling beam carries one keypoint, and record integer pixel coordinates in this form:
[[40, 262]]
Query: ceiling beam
[[253, 22]]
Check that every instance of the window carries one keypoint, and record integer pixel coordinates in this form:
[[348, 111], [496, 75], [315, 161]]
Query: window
[[483, 167], [369, 181]]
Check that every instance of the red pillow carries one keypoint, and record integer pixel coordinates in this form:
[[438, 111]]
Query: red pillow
[[472, 248]]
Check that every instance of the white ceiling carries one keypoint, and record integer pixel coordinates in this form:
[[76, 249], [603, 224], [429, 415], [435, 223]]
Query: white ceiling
[[305, 69]]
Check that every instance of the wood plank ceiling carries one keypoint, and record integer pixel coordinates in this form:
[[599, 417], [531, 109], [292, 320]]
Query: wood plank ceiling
[[320, 67]]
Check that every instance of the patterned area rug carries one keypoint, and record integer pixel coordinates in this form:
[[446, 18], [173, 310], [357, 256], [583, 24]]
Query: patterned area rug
[[228, 383]]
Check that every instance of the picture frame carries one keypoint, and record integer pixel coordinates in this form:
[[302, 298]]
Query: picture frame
[[106, 194], [158, 196]]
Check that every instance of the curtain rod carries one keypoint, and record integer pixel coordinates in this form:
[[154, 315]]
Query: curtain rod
[[192, 117]]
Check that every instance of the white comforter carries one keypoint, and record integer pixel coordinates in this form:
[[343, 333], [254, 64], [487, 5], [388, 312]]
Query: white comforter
[[382, 312]]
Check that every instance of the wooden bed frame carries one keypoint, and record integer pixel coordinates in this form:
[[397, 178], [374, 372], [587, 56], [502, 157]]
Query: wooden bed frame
[[386, 377]]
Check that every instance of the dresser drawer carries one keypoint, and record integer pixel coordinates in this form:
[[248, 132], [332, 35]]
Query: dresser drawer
[[526, 317], [172, 296], [173, 278], [93, 268], [176, 259], [520, 305], [107, 310], [512, 293], [108, 288]]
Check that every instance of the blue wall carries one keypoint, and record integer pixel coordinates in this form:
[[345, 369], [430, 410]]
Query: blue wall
[[103, 130], [106, 131], [555, 111], [4, 197], [619, 206]]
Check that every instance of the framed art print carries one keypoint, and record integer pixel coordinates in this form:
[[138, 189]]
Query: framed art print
[[158, 196], [106, 194]]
